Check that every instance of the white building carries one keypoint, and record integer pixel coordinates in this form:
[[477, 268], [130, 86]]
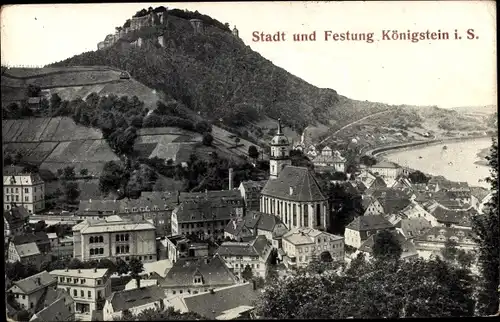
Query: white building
[[280, 153], [114, 237], [29, 291], [255, 254], [23, 189], [304, 244], [434, 240], [362, 227], [329, 160], [85, 286], [389, 171], [134, 301]]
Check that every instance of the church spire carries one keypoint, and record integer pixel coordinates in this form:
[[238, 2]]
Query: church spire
[[279, 126]]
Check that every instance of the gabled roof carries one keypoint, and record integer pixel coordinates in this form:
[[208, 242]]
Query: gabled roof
[[213, 270], [212, 305], [54, 295], [35, 282], [462, 218], [304, 236], [128, 299], [407, 246], [203, 210], [295, 184], [91, 273], [413, 227], [160, 267], [26, 250], [258, 247], [442, 234], [16, 214], [363, 223], [479, 192], [56, 311], [234, 227], [38, 237], [254, 186]]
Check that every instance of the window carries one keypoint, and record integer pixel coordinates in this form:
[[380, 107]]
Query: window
[[7, 198], [180, 292], [127, 248], [26, 198], [26, 190], [61, 279], [126, 237], [117, 237], [31, 305], [82, 294], [318, 214], [151, 257], [89, 294], [118, 249], [91, 251], [75, 293], [17, 190], [82, 281], [101, 239], [134, 209], [99, 293], [101, 251], [173, 292], [17, 198], [99, 282]]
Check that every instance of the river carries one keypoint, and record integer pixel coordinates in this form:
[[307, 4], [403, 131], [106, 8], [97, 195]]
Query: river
[[456, 163]]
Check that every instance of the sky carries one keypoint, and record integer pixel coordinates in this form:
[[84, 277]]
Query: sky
[[446, 73]]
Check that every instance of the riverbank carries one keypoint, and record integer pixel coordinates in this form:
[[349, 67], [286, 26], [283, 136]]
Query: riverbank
[[406, 146]]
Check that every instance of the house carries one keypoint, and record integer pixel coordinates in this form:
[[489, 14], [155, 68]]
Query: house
[[415, 210], [219, 198], [86, 286], [407, 247], [56, 311], [40, 238], [134, 301], [23, 189], [156, 270], [15, 221], [29, 291], [478, 194], [195, 275], [63, 248], [178, 246], [254, 224], [203, 218], [225, 303], [239, 255], [53, 295], [453, 218], [411, 228], [114, 237], [26, 254], [329, 160], [302, 245], [387, 170], [362, 227], [434, 240], [250, 191]]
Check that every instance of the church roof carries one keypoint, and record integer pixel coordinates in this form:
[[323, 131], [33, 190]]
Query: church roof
[[295, 184]]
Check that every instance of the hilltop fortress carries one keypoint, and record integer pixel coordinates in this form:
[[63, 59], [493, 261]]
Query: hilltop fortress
[[150, 18]]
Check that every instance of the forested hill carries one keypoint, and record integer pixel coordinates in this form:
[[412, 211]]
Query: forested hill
[[216, 75]]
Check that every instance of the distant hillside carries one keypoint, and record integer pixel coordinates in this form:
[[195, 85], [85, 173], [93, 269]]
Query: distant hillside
[[216, 75]]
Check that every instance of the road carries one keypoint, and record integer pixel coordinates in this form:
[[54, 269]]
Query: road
[[352, 123]]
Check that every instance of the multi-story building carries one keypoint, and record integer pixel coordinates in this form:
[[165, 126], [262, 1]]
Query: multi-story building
[[196, 275], [114, 237], [23, 189], [86, 286], [302, 245], [329, 160], [389, 171], [135, 301], [204, 219], [25, 253], [29, 291], [250, 191], [254, 224], [362, 227], [254, 254], [15, 220], [434, 240], [175, 247]]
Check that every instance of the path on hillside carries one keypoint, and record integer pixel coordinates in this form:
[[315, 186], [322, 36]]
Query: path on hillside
[[350, 124]]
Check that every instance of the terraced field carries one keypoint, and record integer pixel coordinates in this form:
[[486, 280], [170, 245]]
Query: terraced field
[[54, 143]]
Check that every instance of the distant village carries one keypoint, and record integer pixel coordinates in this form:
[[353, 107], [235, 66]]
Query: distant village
[[211, 252]]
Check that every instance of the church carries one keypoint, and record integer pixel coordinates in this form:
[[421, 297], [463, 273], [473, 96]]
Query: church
[[292, 193]]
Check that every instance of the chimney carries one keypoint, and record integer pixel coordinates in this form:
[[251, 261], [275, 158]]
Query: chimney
[[230, 178], [291, 191], [95, 270], [79, 270], [39, 281], [90, 200]]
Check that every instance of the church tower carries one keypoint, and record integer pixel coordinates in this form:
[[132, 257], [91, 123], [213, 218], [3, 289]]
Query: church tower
[[280, 153]]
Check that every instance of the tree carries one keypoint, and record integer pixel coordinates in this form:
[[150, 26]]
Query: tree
[[367, 160], [253, 152], [486, 228], [418, 177], [68, 173], [465, 259], [247, 273], [113, 177], [75, 264], [122, 267], [207, 139], [84, 172], [55, 101], [450, 251], [71, 191], [40, 226], [136, 268], [107, 263], [386, 246], [326, 257], [33, 90]]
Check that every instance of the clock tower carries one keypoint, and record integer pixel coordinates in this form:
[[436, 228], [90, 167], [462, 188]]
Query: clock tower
[[280, 153]]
